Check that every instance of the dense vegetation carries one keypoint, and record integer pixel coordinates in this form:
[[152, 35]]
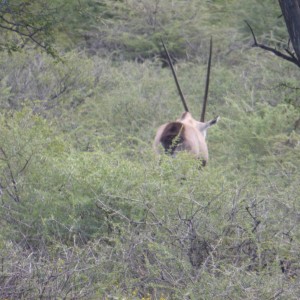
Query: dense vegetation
[[88, 211]]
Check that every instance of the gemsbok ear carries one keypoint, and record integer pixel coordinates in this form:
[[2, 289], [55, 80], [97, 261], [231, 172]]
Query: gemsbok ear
[[186, 133]]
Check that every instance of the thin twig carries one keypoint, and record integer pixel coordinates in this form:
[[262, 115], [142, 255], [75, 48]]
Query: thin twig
[[256, 222], [14, 183]]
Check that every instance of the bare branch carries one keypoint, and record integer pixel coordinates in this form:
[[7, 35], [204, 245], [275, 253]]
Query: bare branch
[[256, 221], [253, 35], [290, 53], [26, 164], [290, 57], [14, 183]]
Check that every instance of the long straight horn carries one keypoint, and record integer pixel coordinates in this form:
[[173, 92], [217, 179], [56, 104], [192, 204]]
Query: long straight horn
[[206, 84], [175, 78]]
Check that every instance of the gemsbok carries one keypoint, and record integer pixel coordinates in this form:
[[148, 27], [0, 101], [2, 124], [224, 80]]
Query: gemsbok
[[186, 133]]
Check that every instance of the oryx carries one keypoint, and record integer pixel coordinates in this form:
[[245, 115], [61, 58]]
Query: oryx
[[186, 133]]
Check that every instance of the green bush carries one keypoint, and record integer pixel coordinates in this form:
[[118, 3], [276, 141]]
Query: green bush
[[88, 210]]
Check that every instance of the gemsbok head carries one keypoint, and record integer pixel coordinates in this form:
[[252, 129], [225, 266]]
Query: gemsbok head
[[186, 133]]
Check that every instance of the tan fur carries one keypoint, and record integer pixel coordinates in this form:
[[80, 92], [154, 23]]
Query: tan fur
[[192, 138]]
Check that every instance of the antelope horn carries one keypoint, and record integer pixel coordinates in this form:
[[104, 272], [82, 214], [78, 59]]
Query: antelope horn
[[206, 84], [175, 78]]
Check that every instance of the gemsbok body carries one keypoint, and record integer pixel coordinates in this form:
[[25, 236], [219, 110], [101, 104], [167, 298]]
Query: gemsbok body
[[186, 133]]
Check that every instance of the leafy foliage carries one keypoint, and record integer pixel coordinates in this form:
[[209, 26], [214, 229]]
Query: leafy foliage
[[88, 211]]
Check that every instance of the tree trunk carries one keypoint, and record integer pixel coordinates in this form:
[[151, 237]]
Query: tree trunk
[[291, 13]]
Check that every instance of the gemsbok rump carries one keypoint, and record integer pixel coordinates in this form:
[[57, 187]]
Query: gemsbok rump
[[186, 133]]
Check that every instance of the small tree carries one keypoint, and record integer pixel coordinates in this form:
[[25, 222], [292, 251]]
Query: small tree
[[26, 22]]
